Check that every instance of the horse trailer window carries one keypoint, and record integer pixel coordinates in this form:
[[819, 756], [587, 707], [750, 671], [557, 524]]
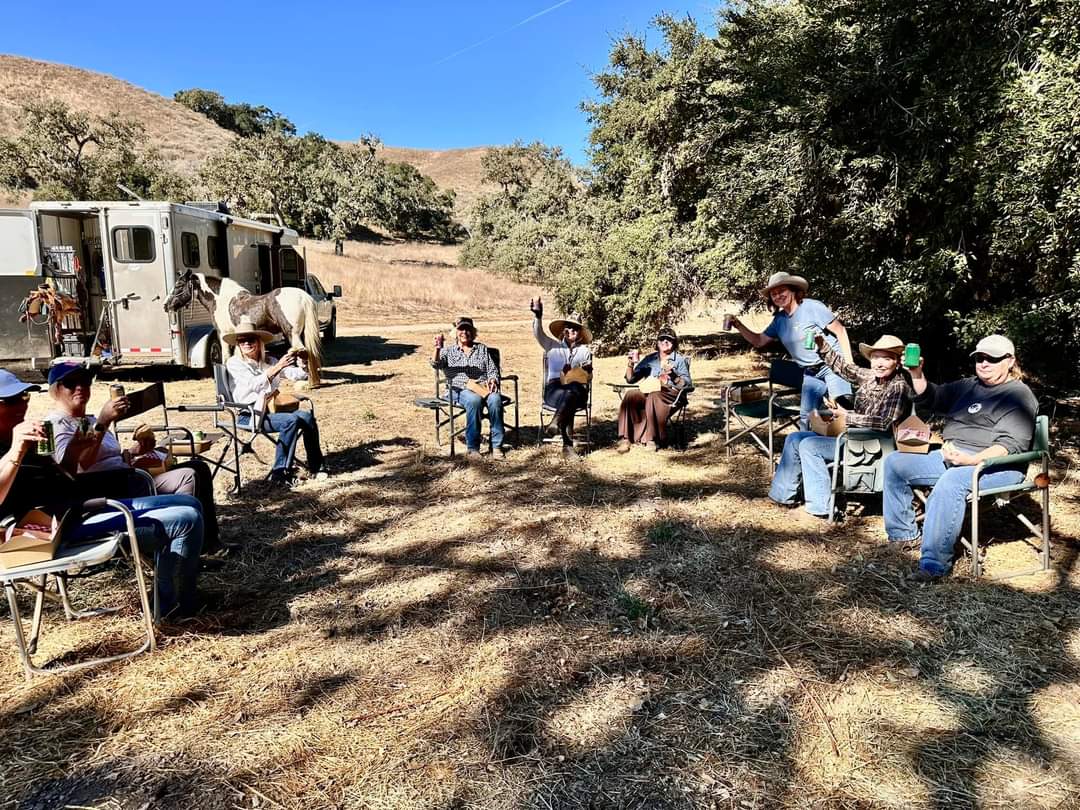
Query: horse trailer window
[[133, 244], [189, 249], [216, 256], [290, 268]]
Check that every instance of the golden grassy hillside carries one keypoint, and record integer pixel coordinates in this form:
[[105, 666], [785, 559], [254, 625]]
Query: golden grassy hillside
[[184, 138], [457, 169]]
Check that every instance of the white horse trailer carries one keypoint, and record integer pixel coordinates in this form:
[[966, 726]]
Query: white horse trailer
[[118, 261]]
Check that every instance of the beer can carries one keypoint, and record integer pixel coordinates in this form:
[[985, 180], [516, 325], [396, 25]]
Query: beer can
[[808, 338], [116, 391], [84, 425], [912, 355], [47, 446], [727, 323]]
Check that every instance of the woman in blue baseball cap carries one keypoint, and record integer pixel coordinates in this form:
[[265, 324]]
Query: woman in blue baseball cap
[[174, 522]]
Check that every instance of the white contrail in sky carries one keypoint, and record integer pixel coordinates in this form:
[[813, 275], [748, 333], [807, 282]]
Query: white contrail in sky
[[497, 34]]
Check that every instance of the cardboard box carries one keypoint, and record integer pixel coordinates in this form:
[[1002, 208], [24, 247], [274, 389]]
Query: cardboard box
[[912, 435], [26, 546]]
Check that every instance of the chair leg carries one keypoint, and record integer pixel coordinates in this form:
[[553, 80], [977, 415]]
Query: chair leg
[[976, 562], [1046, 528], [835, 481], [20, 639]]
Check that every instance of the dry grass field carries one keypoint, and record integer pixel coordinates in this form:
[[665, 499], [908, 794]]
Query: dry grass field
[[641, 631]]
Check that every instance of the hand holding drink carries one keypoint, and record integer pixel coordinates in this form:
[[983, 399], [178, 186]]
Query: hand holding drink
[[440, 340], [634, 357], [912, 355]]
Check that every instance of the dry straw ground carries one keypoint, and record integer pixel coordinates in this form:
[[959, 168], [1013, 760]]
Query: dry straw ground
[[640, 631]]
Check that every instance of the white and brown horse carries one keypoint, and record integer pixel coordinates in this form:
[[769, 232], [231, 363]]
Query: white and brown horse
[[288, 311]]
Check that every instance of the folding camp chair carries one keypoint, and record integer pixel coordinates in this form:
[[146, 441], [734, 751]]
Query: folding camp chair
[[449, 414], [678, 414], [547, 413], [241, 425], [777, 408], [1002, 497], [146, 400], [69, 561], [857, 466]]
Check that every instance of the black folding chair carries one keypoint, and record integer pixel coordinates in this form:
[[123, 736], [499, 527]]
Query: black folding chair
[[547, 413], [776, 409]]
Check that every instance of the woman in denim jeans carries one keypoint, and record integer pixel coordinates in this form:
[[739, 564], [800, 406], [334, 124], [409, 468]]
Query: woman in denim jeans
[[170, 526], [986, 416]]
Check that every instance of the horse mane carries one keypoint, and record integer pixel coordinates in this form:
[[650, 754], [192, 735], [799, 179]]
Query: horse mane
[[219, 287]]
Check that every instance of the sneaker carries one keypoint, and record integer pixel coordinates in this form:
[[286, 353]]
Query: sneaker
[[623, 446], [322, 473], [498, 452], [280, 478], [551, 429], [922, 576], [652, 446], [568, 451], [472, 455]]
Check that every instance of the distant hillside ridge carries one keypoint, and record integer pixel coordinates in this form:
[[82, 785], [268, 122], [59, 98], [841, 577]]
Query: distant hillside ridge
[[184, 138]]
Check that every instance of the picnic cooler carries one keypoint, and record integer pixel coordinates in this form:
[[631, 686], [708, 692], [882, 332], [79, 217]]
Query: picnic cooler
[[31, 539]]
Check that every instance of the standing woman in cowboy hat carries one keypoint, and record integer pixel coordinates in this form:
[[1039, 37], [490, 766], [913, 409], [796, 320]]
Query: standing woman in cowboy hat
[[567, 351], [883, 399], [643, 417], [256, 380], [793, 315], [468, 363]]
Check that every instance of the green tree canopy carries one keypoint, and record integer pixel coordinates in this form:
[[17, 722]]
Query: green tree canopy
[[64, 154], [244, 119], [917, 164]]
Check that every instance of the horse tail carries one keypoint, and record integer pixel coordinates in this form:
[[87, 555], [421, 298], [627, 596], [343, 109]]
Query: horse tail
[[312, 339]]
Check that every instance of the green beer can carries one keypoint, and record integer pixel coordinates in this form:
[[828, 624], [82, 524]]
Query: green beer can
[[47, 446], [912, 355]]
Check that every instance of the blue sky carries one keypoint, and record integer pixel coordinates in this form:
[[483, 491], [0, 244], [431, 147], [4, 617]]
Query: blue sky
[[419, 74]]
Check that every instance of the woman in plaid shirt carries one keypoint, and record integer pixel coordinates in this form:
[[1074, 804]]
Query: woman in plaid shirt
[[883, 398]]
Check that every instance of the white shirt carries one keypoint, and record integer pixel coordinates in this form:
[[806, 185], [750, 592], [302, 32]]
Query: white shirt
[[251, 385], [559, 354]]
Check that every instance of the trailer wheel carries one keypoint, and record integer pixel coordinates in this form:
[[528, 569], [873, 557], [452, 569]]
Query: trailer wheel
[[213, 356]]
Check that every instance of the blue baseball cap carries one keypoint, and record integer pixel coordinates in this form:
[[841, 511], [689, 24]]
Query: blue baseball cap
[[12, 386], [61, 370]]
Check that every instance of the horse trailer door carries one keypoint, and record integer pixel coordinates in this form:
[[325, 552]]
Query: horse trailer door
[[20, 272], [138, 242]]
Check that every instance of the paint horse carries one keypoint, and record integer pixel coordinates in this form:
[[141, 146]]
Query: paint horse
[[287, 310]]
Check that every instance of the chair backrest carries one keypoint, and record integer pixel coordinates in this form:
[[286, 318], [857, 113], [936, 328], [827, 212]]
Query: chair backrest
[[222, 383], [787, 373], [145, 399], [1040, 440], [496, 357]]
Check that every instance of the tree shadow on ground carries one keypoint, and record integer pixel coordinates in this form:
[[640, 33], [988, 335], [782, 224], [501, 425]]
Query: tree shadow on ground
[[673, 663], [364, 350]]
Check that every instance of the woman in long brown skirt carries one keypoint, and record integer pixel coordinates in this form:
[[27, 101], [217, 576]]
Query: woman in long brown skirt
[[643, 417]]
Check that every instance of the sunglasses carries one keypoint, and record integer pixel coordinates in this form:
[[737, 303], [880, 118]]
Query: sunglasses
[[18, 399], [74, 381], [246, 341], [986, 358]]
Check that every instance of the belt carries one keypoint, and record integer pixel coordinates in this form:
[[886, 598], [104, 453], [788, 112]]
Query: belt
[[812, 371]]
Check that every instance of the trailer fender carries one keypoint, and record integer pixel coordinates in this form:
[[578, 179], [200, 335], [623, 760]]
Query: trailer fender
[[204, 348]]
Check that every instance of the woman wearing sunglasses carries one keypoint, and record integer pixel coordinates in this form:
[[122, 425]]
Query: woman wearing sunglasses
[[170, 525], [97, 450], [986, 416], [643, 418], [256, 381]]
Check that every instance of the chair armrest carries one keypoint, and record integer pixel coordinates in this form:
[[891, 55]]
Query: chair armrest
[[508, 377], [866, 433], [744, 383], [200, 408], [1015, 458], [622, 386]]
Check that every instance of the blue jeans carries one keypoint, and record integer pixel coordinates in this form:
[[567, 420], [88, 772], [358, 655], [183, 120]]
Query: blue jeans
[[945, 508], [804, 461], [814, 389], [170, 527], [474, 406], [289, 427]]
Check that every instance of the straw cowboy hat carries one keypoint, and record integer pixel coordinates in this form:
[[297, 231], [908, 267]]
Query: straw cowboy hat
[[247, 327], [786, 280], [885, 343], [572, 322]]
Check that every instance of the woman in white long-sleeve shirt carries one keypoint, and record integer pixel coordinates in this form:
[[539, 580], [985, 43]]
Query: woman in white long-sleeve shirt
[[256, 378], [562, 356]]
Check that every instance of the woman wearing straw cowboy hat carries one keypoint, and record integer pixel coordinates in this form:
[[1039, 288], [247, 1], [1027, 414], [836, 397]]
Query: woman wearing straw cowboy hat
[[884, 398], [256, 379], [564, 353], [795, 315]]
